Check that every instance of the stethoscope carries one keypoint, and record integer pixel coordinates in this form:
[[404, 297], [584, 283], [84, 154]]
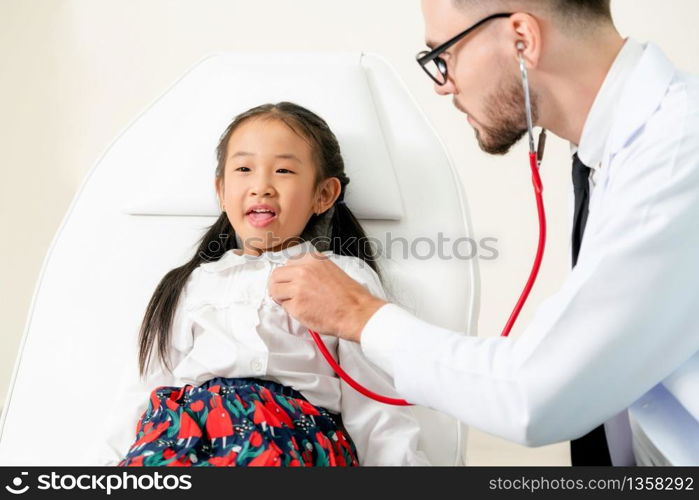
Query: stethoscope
[[535, 157]]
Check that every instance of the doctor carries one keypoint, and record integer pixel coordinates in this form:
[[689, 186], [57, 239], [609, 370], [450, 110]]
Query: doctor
[[625, 319]]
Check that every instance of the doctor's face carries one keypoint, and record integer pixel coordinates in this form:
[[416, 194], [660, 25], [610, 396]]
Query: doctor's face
[[483, 74], [269, 187]]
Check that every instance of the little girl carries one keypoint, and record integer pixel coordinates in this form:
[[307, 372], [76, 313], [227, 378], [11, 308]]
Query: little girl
[[229, 378]]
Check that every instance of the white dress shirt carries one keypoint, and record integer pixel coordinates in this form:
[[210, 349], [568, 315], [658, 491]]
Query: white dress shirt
[[227, 325], [623, 321]]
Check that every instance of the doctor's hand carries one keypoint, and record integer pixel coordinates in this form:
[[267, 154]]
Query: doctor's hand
[[320, 295]]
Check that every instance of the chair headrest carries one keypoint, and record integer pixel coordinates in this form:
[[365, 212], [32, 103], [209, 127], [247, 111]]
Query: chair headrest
[[176, 140]]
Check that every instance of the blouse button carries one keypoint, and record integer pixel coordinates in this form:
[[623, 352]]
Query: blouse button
[[256, 365]]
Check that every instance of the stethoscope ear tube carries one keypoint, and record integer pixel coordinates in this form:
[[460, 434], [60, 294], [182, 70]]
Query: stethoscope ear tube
[[528, 111], [527, 102]]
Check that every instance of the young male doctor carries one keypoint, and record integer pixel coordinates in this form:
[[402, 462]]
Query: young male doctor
[[625, 319]]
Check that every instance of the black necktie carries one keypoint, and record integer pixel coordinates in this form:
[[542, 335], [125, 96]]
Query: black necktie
[[581, 188], [590, 449]]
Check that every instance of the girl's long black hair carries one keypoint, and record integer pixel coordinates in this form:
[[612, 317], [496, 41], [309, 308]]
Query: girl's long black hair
[[347, 236]]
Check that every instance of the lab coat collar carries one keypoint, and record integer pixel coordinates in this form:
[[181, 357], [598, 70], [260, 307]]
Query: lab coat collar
[[606, 130], [599, 121], [642, 96], [231, 258]]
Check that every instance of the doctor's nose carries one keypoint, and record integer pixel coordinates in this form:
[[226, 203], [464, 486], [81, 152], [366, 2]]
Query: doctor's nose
[[446, 89]]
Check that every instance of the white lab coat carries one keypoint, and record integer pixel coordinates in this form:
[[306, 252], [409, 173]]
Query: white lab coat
[[624, 320]]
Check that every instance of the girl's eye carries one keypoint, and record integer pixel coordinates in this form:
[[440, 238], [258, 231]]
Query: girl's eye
[[247, 169]]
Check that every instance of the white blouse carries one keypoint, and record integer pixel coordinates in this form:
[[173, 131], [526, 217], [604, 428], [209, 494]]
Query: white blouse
[[227, 325]]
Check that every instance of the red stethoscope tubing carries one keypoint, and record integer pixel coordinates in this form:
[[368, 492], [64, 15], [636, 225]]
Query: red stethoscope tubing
[[350, 381], [538, 193]]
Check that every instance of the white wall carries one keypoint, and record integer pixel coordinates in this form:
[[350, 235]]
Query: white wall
[[74, 73]]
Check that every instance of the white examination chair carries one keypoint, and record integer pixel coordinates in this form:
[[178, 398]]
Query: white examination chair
[[150, 198]]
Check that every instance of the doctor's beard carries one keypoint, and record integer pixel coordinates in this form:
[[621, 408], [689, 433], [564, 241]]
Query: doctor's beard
[[504, 108]]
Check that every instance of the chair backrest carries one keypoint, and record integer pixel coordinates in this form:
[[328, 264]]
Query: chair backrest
[[150, 197]]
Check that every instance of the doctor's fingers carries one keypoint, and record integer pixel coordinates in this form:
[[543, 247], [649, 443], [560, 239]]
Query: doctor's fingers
[[304, 274], [281, 292]]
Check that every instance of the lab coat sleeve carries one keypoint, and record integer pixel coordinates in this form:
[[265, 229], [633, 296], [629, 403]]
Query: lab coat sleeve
[[383, 434], [622, 322], [131, 398]]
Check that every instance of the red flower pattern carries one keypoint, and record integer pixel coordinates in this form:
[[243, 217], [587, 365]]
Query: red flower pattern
[[264, 416], [268, 414], [218, 422], [188, 429], [271, 457]]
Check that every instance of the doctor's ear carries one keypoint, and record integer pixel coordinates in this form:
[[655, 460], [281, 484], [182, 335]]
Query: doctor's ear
[[525, 33]]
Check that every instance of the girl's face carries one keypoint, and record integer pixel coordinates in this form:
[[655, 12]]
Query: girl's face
[[269, 191]]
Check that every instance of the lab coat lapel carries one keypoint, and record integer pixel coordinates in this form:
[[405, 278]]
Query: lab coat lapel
[[642, 96]]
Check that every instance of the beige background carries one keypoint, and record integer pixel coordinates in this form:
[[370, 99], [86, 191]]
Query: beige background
[[74, 73]]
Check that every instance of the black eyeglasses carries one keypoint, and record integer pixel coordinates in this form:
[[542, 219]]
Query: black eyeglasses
[[434, 65]]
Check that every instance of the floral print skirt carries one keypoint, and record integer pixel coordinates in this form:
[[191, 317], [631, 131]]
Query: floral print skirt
[[237, 422]]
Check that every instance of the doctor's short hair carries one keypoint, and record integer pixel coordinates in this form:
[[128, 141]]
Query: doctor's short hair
[[575, 16]]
